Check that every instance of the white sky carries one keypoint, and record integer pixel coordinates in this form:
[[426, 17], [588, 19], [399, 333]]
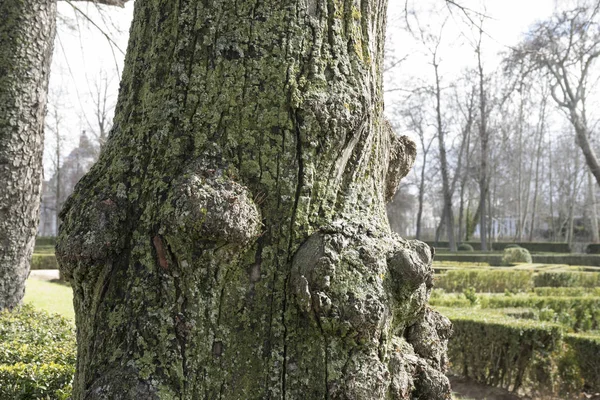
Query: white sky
[[82, 53]]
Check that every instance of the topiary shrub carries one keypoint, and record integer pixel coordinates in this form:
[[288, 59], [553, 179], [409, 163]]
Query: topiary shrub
[[37, 355], [516, 255], [465, 247]]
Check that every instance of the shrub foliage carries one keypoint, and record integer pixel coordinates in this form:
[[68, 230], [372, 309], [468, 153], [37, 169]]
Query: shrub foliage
[[37, 355]]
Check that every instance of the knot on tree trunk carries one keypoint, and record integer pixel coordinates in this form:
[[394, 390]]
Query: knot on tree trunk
[[367, 294], [402, 154], [206, 204], [90, 235]]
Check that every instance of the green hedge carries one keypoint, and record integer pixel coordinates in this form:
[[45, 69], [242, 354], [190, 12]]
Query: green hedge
[[44, 261], [491, 259], [502, 352], [592, 260], [37, 355], [516, 255], [45, 241], [586, 353], [493, 281], [537, 247], [593, 248], [566, 291], [578, 313], [567, 279], [520, 354]]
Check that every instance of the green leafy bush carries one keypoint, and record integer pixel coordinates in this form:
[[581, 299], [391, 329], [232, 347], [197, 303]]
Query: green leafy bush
[[593, 248], [586, 354], [516, 255], [567, 291], [465, 247], [37, 355], [502, 352], [567, 279], [44, 261], [45, 241], [481, 280]]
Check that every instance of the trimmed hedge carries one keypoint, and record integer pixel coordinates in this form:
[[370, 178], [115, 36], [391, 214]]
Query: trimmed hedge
[[567, 279], [593, 248], [538, 247], [592, 260], [567, 291], [577, 313], [586, 352], [44, 261], [502, 352], [37, 355], [520, 354], [45, 241], [493, 281]]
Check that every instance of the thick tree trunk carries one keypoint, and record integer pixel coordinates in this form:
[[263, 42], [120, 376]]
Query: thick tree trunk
[[232, 240], [26, 39], [593, 209]]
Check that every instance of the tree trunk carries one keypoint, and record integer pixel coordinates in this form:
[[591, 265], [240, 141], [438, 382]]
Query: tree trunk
[[24, 71], [232, 240], [484, 142], [447, 215], [593, 209]]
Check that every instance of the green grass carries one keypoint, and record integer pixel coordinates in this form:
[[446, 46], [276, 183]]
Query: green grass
[[52, 297]]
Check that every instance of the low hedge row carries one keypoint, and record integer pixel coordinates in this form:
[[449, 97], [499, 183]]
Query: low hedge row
[[37, 355], [592, 260], [538, 247], [493, 281], [567, 291], [567, 279], [44, 261], [578, 313], [45, 241], [593, 248], [520, 354]]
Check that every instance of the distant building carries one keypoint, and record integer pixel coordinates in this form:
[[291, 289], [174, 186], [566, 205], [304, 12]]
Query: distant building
[[63, 181]]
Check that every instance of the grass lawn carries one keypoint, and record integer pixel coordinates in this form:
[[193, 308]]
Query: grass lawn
[[51, 297]]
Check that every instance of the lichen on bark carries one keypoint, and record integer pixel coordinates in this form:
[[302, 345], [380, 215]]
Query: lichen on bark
[[232, 240]]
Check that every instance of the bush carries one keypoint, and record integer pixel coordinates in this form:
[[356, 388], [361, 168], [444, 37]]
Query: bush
[[593, 248], [516, 255], [491, 280], [536, 357], [44, 261], [586, 354], [502, 352], [43, 241], [567, 279], [465, 247], [37, 355], [511, 246], [571, 259], [567, 291]]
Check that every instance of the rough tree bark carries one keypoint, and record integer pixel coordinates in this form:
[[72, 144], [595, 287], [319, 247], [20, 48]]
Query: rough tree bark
[[27, 30], [24, 71], [232, 240]]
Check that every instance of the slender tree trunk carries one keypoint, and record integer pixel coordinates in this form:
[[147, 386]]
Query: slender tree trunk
[[538, 161], [24, 71], [421, 192], [484, 142], [593, 209], [232, 241], [447, 215]]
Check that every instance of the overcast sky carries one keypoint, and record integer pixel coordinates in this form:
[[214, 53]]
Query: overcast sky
[[83, 54]]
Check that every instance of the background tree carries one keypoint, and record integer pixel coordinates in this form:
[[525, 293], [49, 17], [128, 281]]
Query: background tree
[[566, 46], [27, 33], [232, 240]]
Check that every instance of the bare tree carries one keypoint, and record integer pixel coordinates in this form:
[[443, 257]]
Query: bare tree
[[566, 47]]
